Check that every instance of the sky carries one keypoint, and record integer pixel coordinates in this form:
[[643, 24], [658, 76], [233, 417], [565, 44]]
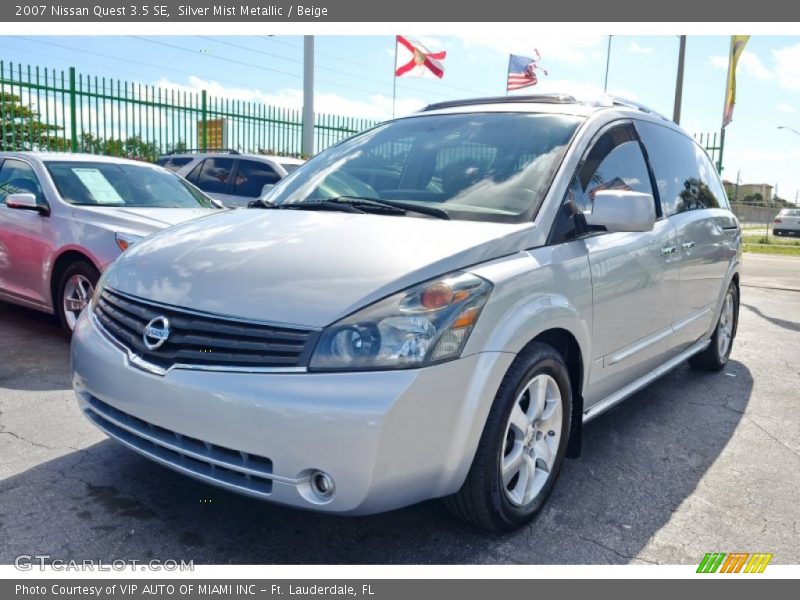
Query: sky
[[354, 76]]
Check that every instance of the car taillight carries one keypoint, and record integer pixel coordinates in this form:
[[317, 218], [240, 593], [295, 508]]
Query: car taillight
[[777, 221]]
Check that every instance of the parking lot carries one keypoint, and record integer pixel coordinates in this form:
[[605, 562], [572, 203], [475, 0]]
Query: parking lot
[[694, 463]]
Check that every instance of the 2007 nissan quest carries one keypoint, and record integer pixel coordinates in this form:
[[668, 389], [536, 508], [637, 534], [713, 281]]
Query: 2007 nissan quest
[[431, 308]]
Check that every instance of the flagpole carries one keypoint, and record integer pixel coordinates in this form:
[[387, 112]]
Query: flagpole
[[507, 71], [394, 78]]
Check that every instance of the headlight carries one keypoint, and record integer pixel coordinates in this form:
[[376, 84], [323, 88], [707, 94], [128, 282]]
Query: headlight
[[427, 324], [126, 240]]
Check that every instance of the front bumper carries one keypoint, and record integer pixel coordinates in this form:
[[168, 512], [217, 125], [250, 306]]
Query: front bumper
[[388, 438]]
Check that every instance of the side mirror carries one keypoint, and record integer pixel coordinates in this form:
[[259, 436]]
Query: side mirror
[[622, 210], [267, 187], [24, 201]]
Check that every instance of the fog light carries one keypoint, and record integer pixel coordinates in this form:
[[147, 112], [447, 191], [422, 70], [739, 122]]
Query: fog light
[[322, 485]]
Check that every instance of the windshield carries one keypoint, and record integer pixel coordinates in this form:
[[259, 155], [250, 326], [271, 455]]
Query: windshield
[[484, 166], [122, 184]]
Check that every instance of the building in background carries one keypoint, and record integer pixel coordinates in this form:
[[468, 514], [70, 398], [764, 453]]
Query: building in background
[[747, 191]]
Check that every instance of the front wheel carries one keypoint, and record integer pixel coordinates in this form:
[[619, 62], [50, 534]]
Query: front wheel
[[522, 447], [74, 291], [716, 354]]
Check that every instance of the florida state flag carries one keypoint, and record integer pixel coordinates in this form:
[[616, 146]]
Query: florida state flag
[[412, 59]]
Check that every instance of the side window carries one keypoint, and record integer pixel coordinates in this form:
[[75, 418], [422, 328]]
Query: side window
[[194, 174], [716, 196], [615, 162], [17, 177], [685, 177], [215, 175], [252, 176], [176, 162]]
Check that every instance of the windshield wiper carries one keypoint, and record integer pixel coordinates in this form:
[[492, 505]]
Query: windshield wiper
[[259, 203], [406, 206], [316, 205]]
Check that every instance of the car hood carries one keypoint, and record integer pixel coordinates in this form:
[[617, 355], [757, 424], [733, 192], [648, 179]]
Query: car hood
[[137, 220], [300, 267]]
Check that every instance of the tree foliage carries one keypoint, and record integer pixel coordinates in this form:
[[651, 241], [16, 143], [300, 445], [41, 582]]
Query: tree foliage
[[21, 127]]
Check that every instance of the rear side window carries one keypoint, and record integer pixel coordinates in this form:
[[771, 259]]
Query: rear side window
[[215, 175], [194, 174], [252, 176], [685, 177], [17, 177]]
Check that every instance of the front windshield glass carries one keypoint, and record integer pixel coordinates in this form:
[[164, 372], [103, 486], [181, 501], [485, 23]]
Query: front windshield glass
[[478, 166], [123, 185]]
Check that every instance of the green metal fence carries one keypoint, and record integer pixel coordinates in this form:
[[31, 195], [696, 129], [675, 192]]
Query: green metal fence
[[714, 145], [57, 110]]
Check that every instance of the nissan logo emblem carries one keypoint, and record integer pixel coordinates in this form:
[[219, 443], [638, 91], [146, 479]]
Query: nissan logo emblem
[[156, 333]]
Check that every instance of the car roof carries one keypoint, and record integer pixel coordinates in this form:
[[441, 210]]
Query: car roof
[[73, 157], [279, 159], [563, 104]]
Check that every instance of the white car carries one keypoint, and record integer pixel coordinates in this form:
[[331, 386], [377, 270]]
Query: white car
[[787, 222], [65, 217], [230, 177]]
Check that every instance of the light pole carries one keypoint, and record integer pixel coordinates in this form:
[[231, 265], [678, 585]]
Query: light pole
[[792, 129], [608, 60], [676, 107], [308, 96]]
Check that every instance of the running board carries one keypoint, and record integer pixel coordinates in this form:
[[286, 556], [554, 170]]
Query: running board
[[632, 388]]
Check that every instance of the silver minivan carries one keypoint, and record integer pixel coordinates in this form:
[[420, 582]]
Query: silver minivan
[[430, 309]]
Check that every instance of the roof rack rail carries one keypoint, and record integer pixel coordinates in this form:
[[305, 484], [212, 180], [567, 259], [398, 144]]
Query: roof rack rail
[[208, 150], [618, 101], [538, 98]]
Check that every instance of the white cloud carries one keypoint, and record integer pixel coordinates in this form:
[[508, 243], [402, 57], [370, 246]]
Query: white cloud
[[753, 65], [786, 108], [787, 66], [571, 49], [749, 62], [635, 48], [375, 107], [721, 62]]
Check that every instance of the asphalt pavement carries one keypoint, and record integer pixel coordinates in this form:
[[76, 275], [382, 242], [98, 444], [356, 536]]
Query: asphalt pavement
[[694, 463]]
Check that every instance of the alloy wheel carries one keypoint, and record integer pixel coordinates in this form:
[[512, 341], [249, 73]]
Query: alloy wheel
[[532, 439]]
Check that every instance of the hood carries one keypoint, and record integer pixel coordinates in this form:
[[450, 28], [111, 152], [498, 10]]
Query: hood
[[138, 220], [301, 267]]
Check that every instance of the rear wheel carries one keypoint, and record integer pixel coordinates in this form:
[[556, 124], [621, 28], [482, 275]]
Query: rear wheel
[[74, 291], [522, 447], [715, 356]]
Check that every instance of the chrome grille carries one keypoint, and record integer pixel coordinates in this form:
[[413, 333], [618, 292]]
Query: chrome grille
[[199, 339], [208, 461]]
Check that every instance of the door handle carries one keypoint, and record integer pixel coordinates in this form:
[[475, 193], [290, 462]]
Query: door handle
[[687, 245], [666, 251]]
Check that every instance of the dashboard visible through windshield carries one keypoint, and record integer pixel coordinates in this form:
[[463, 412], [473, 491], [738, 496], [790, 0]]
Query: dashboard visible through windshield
[[476, 166]]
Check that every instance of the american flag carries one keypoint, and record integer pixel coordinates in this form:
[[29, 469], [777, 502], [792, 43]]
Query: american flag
[[522, 71]]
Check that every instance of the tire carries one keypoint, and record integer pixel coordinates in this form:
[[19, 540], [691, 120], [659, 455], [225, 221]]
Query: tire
[[487, 499], [716, 354], [76, 286]]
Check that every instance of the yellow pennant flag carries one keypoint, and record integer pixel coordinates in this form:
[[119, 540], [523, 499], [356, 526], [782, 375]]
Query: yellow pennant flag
[[738, 43]]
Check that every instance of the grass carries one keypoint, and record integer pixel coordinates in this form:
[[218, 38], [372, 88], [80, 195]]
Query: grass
[[761, 244]]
